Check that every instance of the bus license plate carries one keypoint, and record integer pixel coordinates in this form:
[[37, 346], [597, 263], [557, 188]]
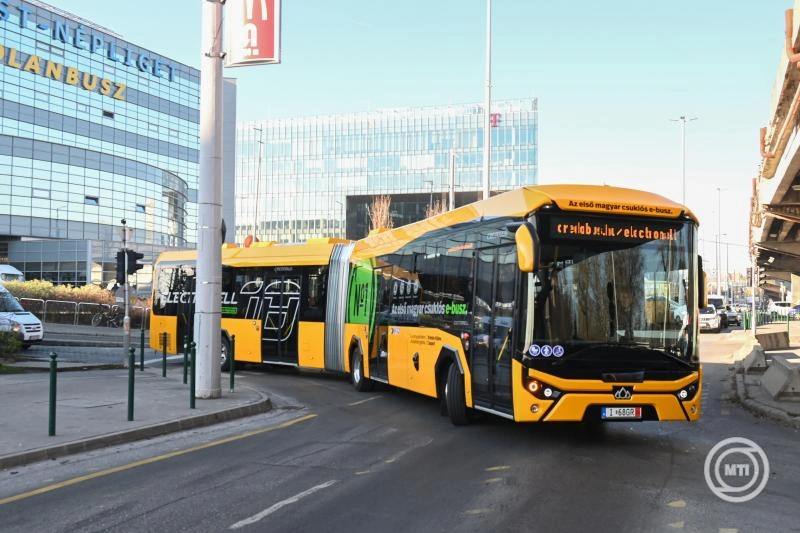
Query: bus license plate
[[622, 412]]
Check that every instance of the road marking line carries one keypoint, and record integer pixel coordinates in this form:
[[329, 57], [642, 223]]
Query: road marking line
[[493, 480], [478, 511], [677, 503], [283, 503], [364, 401], [150, 460], [496, 468], [677, 525]]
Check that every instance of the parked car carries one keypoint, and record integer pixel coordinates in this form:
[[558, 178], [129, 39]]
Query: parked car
[[709, 319], [718, 301], [734, 316]]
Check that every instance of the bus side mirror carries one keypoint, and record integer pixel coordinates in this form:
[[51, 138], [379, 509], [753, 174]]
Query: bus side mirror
[[527, 247], [702, 301]]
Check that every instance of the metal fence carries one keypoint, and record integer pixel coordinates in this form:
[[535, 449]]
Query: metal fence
[[767, 317], [81, 313]]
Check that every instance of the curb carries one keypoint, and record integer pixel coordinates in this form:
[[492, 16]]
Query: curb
[[83, 344], [76, 368], [263, 405], [754, 406]]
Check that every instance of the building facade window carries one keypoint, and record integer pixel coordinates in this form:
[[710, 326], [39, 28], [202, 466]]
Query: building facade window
[[306, 177]]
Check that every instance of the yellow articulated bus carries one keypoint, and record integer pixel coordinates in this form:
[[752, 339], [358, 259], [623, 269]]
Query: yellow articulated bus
[[547, 303], [273, 300]]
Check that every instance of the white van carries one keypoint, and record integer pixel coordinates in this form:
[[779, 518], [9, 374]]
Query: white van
[[9, 273], [16, 319]]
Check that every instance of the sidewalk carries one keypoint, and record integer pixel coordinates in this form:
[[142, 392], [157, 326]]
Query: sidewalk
[[92, 409], [747, 384], [90, 336]]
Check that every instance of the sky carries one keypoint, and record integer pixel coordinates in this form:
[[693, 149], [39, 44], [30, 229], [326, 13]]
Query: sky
[[610, 76]]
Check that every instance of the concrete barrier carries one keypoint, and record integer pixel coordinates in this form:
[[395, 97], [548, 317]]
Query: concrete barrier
[[782, 378], [773, 341], [751, 358]]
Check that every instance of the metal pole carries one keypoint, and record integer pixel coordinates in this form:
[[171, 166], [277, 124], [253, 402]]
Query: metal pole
[[141, 350], [452, 197], [185, 356], [164, 355], [51, 419], [754, 285], [131, 367], [232, 359], [487, 104], [209, 237], [683, 157], [126, 321], [719, 230], [192, 378], [728, 273]]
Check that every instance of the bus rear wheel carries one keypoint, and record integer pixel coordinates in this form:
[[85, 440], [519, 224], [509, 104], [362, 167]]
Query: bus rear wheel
[[224, 355], [357, 378], [455, 397]]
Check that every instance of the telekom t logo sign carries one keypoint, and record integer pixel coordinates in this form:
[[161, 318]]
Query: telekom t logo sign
[[494, 119]]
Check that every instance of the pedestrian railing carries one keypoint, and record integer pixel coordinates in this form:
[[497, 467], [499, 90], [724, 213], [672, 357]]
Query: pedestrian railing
[[767, 317], [79, 313]]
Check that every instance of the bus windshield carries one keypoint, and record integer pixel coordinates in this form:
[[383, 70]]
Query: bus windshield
[[613, 303]]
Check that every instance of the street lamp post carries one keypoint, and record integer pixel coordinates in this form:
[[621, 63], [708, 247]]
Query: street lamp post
[[682, 119], [340, 222], [719, 234], [58, 220], [430, 190], [487, 138], [260, 143]]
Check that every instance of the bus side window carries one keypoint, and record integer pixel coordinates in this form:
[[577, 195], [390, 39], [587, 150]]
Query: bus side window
[[315, 299]]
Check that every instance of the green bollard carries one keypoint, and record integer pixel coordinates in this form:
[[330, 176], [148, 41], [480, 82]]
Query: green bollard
[[51, 421], [185, 356], [191, 386], [141, 353], [232, 359], [131, 368], [164, 356]]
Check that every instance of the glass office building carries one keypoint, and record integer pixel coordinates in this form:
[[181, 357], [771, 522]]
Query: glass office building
[[93, 129], [307, 177]]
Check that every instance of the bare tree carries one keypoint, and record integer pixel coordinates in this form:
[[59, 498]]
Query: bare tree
[[380, 214], [436, 208]]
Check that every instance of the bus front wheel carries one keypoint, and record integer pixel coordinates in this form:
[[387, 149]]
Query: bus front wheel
[[360, 383], [224, 355], [455, 397]]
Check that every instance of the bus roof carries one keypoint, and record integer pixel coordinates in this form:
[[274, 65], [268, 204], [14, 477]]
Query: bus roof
[[520, 202], [312, 253]]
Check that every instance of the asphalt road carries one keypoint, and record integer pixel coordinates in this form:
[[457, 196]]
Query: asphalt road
[[387, 461]]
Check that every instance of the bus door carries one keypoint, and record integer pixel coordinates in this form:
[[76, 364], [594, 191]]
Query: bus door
[[184, 283], [281, 297], [493, 307]]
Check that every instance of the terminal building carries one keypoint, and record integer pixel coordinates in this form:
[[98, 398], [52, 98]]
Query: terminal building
[[93, 129], [306, 177]]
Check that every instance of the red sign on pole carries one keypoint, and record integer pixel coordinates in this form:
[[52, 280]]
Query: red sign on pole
[[252, 32]]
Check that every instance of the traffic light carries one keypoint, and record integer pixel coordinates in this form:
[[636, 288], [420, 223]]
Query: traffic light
[[121, 267], [749, 274], [133, 258], [762, 276]]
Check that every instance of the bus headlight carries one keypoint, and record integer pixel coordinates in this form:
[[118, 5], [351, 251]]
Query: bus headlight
[[541, 390], [687, 393]]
